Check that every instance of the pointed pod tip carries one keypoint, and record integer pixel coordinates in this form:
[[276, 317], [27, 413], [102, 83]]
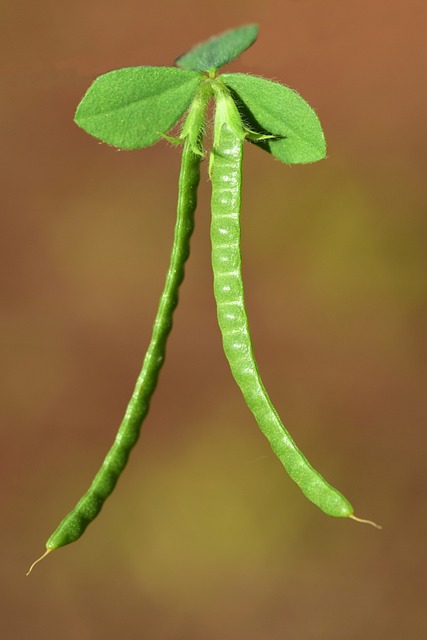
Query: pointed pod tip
[[363, 521], [37, 561]]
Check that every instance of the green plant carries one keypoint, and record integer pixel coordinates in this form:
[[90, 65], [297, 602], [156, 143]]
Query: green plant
[[135, 107]]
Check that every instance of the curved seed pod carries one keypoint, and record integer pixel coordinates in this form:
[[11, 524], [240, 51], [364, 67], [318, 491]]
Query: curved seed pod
[[233, 323], [88, 507]]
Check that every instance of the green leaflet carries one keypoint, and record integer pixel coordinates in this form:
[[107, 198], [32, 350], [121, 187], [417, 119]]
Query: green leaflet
[[218, 51], [131, 108], [269, 107]]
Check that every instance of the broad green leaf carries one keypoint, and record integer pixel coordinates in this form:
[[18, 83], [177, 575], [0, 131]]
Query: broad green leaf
[[269, 107], [218, 51], [131, 108]]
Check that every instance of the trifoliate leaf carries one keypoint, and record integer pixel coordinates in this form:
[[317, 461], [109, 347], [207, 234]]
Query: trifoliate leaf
[[218, 51], [271, 108], [131, 108]]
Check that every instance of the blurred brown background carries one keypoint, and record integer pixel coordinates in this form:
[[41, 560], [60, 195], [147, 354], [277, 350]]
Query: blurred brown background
[[206, 537]]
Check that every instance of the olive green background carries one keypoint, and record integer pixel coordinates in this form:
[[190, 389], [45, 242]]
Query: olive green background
[[206, 538]]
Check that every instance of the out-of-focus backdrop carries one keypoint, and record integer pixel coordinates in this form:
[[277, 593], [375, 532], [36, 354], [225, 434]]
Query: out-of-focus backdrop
[[205, 536]]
